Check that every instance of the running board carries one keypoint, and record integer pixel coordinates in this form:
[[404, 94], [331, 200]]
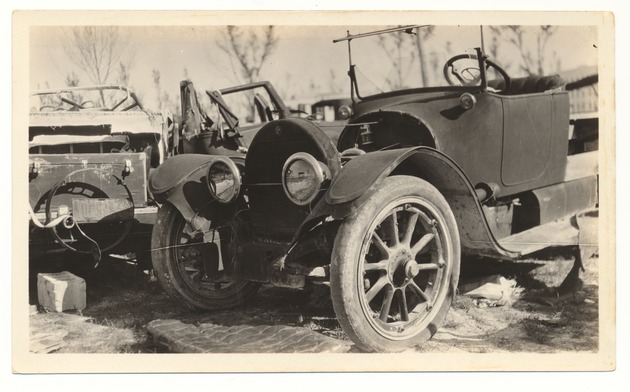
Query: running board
[[557, 233]]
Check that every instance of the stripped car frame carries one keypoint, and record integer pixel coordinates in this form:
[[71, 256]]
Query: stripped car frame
[[90, 153]]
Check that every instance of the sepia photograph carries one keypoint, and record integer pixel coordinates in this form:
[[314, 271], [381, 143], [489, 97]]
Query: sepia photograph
[[425, 187]]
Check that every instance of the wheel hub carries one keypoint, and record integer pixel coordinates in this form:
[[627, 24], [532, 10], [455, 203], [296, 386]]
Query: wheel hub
[[411, 269], [402, 268]]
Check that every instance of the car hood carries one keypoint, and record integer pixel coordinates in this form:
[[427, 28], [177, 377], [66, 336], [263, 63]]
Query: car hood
[[404, 97]]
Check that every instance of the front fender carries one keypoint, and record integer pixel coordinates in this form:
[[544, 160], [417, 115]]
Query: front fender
[[174, 172], [365, 173], [181, 181]]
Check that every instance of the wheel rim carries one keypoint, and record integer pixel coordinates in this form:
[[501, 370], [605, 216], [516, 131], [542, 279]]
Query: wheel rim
[[405, 267], [199, 275]]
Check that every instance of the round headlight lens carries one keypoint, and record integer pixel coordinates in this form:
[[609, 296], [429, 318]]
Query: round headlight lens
[[224, 180], [302, 177], [345, 112]]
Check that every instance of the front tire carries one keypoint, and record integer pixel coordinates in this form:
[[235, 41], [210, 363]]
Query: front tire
[[181, 265], [395, 266]]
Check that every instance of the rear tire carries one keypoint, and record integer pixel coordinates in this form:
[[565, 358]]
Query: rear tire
[[395, 266], [180, 267]]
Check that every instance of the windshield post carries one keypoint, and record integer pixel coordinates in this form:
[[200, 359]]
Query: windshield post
[[349, 49], [351, 68], [482, 69], [354, 87], [481, 56]]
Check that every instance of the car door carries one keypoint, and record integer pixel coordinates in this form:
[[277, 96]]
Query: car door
[[527, 130]]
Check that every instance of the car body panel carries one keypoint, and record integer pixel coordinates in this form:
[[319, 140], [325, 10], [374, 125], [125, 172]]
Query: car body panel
[[492, 141], [54, 168]]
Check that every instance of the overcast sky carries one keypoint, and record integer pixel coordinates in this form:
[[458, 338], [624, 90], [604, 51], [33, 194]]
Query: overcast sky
[[305, 58]]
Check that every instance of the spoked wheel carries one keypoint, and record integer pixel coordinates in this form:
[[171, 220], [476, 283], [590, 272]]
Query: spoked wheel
[[192, 270], [395, 266]]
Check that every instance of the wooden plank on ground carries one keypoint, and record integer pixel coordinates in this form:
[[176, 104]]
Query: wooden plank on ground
[[558, 233]]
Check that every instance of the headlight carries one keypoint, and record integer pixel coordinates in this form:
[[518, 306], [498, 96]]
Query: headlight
[[344, 112], [302, 177], [224, 180]]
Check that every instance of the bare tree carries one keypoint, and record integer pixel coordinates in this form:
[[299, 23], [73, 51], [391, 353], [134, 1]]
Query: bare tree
[[333, 82], [314, 88], [123, 74], [164, 100], [45, 100], [533, 57], [402, 52], [397, 46], [97, 51], [250, 48], [72, 80], [493, 47], [422, 35], [285, 87]]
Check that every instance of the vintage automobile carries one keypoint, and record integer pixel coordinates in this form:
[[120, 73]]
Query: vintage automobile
[[419, 176], [238, 112], [90, 153], [328, 109]]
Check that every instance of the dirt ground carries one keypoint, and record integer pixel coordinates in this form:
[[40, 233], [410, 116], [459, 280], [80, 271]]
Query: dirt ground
[[122, 299]]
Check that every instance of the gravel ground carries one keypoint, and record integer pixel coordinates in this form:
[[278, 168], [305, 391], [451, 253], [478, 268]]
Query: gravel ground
[[122, 300]]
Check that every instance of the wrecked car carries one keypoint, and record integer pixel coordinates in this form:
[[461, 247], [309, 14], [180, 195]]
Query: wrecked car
[[90, 153], [230, 123], [476, 164], [91, 150]]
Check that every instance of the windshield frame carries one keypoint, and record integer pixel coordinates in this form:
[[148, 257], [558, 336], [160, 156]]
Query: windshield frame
[[130, 99], [228, 115], [409, 29]]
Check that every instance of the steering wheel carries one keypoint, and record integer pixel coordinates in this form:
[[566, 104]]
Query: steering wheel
[[92, 192], [471, 75]]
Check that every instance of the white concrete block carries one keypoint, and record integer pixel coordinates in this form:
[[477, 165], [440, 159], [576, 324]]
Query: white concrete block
[[60, 291]]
